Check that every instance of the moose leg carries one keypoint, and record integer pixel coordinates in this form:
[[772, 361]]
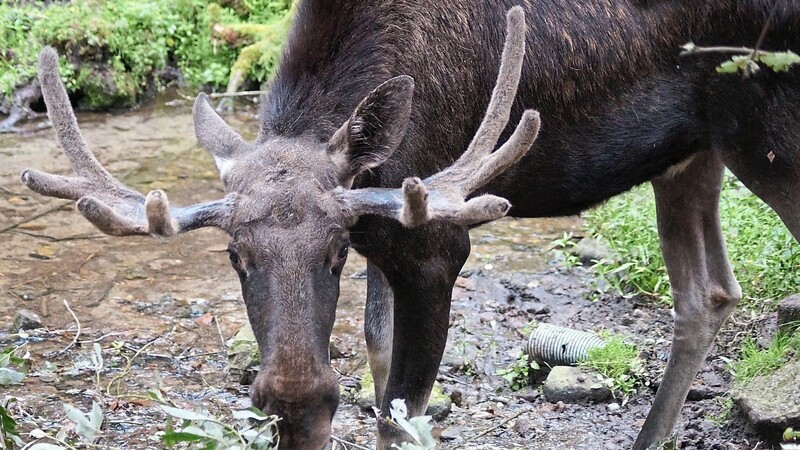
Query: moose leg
[[703, 286], [378, 326], [421, 267]]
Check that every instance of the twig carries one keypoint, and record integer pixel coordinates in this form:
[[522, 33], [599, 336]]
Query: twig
[[489, 430], [722, 49], [347, 443], [34, 217], [221, 337], [118, 378], [236, 94], [77, 333], [197, 355]]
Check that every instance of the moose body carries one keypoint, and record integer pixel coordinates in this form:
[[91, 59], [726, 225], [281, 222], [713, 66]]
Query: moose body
[[620, 108]]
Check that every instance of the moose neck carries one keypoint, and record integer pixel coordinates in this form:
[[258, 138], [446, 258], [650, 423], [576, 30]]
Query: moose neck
[[335, 54]]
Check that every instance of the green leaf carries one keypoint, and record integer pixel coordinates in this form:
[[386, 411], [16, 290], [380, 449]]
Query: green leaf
[[83, 426], [185, 414], [96, 416], [250, 413], [173, 437], [780, 61], [10, 376]]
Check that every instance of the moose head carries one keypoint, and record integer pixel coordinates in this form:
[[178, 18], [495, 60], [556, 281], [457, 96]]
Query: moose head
[[287, 209]]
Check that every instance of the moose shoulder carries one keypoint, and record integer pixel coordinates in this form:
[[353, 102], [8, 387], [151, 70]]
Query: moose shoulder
[[371, 95]]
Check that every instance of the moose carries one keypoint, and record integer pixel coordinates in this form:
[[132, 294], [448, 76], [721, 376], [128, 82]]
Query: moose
[[380, 132]]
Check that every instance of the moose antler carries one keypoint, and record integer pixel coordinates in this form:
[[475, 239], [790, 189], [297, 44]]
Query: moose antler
[[442, 196], [110, 205]]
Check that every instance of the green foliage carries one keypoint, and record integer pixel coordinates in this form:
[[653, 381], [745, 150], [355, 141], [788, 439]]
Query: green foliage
[[112, 49], [564, 247], [756, 361], [252, 430], [13, 366], [725, 404], [764, 255], [9, 436], [777, 61], [518, 374], [619, 365]]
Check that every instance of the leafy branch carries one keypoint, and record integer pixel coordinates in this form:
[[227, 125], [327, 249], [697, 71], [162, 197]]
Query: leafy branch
[[746, 59]]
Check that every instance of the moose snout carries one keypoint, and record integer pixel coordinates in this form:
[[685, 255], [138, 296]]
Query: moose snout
[[305, 404]]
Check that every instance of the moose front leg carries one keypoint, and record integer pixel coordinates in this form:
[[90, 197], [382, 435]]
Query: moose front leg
[[421, 268], [703, 286]]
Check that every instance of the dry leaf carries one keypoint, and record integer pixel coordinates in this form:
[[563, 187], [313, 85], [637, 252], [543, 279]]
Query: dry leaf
[[205, 319]]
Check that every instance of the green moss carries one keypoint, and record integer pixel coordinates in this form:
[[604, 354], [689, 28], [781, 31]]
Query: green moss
[[126, 42]]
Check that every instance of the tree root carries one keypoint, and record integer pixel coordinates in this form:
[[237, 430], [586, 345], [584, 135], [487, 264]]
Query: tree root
[[19, 106]]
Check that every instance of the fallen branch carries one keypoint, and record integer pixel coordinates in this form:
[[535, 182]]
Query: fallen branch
[[20, 106], [346, 444], [489, 430], [34, 217], [74, 339], [236, 94]]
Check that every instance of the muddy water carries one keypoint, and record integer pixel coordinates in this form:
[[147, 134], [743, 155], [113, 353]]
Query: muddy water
[[131, 292]]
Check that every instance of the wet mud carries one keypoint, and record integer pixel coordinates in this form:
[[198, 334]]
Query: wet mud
[[162, 311]]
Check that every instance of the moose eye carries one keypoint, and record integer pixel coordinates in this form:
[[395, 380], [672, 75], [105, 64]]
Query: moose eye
[[343, 252], [235, 260]]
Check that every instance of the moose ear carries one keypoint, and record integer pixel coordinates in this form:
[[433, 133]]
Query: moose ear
[[374, 130]]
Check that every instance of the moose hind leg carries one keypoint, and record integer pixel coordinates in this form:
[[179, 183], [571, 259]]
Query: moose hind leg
[[703, 286], [378, 328]]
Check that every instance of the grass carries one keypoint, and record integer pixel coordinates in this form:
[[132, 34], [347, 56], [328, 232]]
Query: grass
[[618, 364], [765, 257], [112, 50], [755, 361]]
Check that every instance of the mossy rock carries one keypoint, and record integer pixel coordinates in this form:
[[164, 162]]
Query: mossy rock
[[243, 355], [438, 405], [772, 402]]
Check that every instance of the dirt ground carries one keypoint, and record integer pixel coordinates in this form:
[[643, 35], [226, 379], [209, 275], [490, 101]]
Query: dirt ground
[[177, 301]]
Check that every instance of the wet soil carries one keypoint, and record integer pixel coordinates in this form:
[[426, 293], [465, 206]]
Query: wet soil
[[177, 301]]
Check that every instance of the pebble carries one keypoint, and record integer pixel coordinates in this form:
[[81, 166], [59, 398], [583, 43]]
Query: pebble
[[613, 407], [26, 320]]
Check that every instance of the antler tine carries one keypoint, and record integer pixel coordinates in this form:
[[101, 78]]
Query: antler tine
[[107, 203], [442, 196], [64, 122], [505, 89]]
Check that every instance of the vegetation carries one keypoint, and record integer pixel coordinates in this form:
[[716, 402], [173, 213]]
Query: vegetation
[[618, 364], [765, 257], [518, 374], [755, 361], [112, 51]]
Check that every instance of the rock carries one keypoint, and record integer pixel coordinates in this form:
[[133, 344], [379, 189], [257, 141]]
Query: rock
[[772, 402], [574, 385], [243, 355], [439, 404], [528, 394], [589, 250], [522, 426], [451, 434], [26, 320], [789, 313]]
